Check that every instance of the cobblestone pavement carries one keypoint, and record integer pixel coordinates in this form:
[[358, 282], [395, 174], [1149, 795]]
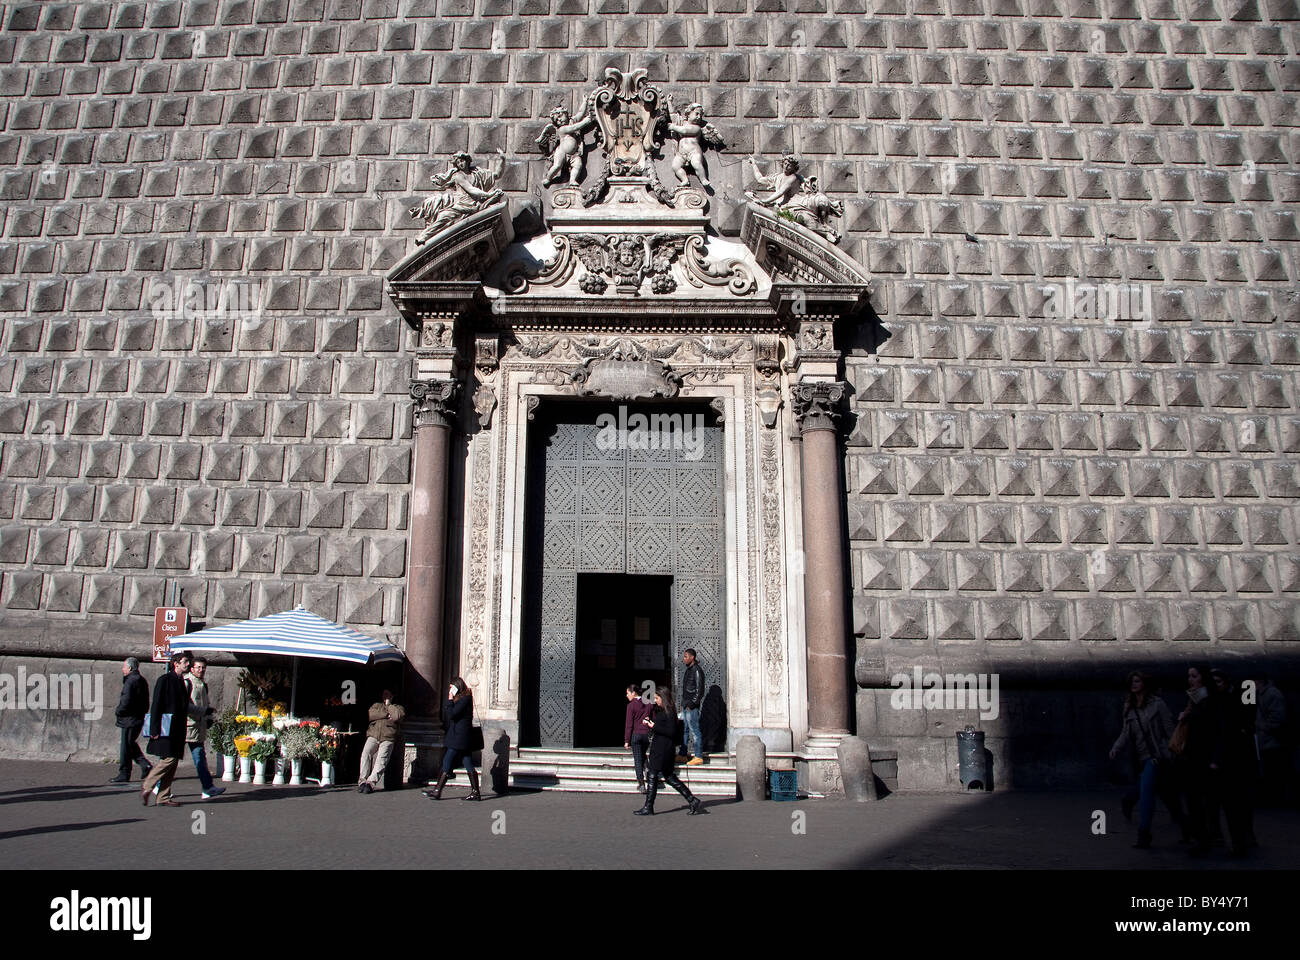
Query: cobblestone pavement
[[64, 815]]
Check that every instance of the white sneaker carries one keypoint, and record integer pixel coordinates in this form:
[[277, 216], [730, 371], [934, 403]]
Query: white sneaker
[[214, 792]]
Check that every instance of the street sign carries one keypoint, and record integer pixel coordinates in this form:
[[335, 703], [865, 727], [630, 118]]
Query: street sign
[[168, 622]]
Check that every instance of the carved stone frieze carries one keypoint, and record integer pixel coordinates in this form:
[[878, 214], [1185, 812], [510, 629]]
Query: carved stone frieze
[[623, 379], [818, 405], [435, 402], [696, 348]]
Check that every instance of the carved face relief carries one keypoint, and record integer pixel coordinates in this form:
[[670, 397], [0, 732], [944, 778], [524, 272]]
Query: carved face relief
[[629, 253]]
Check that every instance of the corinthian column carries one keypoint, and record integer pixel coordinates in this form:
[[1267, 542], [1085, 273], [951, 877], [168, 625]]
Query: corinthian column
[[435, 404], [817, 409]]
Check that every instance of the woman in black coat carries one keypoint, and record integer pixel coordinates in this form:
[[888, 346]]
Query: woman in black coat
[[458, 739], [663, 729]]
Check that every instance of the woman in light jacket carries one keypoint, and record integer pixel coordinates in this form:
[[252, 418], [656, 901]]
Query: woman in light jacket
[[457, 741], [1148, 725], [662, 725]]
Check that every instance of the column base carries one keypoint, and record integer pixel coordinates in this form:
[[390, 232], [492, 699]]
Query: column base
[[818, 763]]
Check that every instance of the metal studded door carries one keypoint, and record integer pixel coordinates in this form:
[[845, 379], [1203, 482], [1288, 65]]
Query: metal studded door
[[639, 508]]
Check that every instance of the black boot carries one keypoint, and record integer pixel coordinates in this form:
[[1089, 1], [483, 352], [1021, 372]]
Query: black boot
[[473, 785], [648, 808], [436, 792], [691, 801], [1143, 840]]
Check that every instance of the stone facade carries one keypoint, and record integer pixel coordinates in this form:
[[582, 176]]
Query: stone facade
[[1071, 438]]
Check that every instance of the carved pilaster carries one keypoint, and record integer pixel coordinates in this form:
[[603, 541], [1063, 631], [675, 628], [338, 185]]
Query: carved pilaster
[[486, 360], [818, 405], [767, 386], [435, 402]]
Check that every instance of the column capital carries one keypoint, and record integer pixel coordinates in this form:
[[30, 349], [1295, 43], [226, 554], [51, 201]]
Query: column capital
[[818, 404], [435, 402]]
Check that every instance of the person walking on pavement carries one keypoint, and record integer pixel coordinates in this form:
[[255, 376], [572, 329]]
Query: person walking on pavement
[[1271, 734], [385, 720], [1234, 766], [1148, 726], [167, 718], [459, 740], [196, 729], [1194, 738], [131, 709], [636, 735], [662, 725], [692, 696]]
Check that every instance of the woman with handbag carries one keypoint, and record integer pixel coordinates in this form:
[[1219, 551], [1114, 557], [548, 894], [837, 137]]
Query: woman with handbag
[[460, 739], [165, 727], [663, 725], [1148, 726]]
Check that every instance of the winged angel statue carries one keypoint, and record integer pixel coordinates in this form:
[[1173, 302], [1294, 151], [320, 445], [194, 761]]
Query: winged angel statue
[[561, 140], [463, 189]]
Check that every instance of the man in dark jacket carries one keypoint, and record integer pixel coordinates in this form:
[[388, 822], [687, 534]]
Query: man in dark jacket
[[131, 708], [385, 720], [692, 696], [167, 736]]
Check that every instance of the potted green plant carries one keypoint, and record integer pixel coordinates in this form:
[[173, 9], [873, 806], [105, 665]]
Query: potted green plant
[[260, 752]]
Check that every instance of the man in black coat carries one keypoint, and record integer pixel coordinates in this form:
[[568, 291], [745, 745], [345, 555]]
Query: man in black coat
[[131, 708], [167, 717]]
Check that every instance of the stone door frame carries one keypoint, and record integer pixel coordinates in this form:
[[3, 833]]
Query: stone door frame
[[766, 669]]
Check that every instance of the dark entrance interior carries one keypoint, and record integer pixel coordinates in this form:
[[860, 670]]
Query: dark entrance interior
[[624, 635]]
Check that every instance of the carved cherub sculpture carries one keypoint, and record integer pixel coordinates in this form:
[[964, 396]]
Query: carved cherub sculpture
[[694, 135], [463, 189], [798, 198], [561, 140]]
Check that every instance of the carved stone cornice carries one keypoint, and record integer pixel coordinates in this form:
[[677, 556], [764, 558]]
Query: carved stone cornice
[[435, 402], [818, 404]]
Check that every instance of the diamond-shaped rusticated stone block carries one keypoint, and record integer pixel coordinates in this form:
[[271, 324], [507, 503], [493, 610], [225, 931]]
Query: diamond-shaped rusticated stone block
[[240, 507], [873, 475], [225, 461], [866, 618], [301, 554], [1097, 619], [199, 506], [1281, 621], [1253, 573], [273, 597], [257, 553], [1143, 621], [1189, 621], [923, 476], [131, 549], [896, 428], [175, 551], [1205, 573], [903, 522], [1236, 621], [1002, 620], [233, 599], [283, 508], [351, 464], [949, 523], [1112, 572], [22, 590], [876, 569], [906, 619], [927, 570], [974, 570], [955, 621], [862, 520], [363, 603], [158, 505]]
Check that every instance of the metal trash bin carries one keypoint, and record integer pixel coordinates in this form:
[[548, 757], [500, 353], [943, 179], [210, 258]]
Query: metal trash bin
[[972, 768]]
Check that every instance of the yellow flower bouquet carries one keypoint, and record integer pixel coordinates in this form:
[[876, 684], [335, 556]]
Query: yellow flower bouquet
[[243, 744]]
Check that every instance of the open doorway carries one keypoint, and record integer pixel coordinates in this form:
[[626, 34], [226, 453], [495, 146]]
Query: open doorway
[[624, 635]]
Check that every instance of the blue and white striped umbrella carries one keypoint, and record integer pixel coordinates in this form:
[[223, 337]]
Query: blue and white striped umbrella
[[293, 633]]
